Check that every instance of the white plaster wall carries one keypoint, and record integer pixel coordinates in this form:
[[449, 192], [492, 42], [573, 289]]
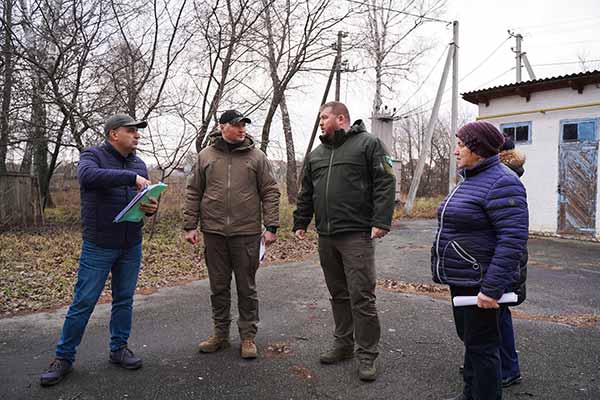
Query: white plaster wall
[[541, 168]]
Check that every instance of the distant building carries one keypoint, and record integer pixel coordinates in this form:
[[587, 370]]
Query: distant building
[[555, 122]]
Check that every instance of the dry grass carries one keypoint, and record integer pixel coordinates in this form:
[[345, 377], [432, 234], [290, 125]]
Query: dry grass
[[38, 266], [424, 207]]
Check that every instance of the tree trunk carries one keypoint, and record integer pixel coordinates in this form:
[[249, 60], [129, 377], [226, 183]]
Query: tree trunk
[[39, 138], [277, 95], [291, 176], [7, 89]]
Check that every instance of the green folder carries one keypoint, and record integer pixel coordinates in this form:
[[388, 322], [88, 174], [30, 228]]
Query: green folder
[[132, 212]]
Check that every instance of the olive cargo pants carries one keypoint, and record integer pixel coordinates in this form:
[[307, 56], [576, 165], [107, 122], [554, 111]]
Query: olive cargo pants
[[224, 256], [348, 262]]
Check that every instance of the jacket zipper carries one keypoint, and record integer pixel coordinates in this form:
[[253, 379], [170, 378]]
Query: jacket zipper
[[127, 202], [462, 253], [327, 190], [437, 240], [228, 192]]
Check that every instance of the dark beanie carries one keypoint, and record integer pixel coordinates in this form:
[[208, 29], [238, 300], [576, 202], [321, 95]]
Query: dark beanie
[[482, 138], [508, 144]]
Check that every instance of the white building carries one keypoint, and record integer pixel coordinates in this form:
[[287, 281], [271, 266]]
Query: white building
[[556, 123]]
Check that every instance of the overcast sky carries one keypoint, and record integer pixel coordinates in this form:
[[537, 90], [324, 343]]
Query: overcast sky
[[554, 32]]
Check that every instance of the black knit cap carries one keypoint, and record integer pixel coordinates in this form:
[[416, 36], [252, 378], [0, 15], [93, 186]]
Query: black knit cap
[[482, 138]]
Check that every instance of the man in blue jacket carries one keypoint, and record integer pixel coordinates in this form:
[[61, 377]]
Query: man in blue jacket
[[109, 176]]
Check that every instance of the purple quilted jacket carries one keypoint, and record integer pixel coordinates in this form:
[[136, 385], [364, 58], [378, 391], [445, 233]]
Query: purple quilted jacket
[[483, 228]]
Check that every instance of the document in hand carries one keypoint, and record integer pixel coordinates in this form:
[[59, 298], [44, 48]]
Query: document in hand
[[459, 301], [262, 251], [132, 212]]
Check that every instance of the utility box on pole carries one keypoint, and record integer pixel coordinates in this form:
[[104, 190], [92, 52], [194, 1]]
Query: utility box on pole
[[382, 126]]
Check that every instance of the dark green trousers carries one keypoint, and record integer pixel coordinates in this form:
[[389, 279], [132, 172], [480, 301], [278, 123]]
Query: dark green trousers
[[237, 255], [348, 262]]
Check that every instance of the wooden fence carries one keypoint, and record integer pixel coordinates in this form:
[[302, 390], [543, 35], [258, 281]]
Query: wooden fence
[[19, 201]]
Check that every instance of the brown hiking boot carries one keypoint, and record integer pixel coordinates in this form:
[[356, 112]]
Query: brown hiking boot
[[248, 348], [214, 343]]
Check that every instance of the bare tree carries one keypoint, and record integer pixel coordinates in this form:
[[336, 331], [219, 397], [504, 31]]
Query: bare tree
[[294, 35], [389, 25], [227, 61], [7, 83], [141, 61]]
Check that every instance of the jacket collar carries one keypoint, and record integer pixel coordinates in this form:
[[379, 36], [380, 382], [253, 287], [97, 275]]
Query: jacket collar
[[220, 144], [340, 136], [109, 148], [480, 166]]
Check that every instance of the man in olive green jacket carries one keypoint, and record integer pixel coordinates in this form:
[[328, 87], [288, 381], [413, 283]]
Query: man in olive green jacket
[[230, 192], [349, 185]]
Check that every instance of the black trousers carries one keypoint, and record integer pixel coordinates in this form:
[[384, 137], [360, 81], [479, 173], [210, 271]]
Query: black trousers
[[479, 329]]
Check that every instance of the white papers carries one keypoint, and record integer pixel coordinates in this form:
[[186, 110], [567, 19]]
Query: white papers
[[263, 250], [460, 301]]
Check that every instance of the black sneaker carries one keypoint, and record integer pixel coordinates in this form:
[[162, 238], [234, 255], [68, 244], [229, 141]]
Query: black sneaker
[[56, 372], [125, 358], [514, 380]]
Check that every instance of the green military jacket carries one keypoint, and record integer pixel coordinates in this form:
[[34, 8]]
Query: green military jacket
[[348, 184]]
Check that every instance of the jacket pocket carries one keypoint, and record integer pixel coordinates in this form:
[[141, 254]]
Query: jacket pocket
[[456, 251]]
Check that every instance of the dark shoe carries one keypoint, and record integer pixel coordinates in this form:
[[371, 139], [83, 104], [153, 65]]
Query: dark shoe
[[125, 358], [367, 371], [56, 372], [336, 355], [515, 380]]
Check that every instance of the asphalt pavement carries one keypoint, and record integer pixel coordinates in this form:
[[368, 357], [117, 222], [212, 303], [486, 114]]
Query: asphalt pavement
[[420, 352]]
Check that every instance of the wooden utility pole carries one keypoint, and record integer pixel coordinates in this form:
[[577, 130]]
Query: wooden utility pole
[[338, 67], [316, 125]]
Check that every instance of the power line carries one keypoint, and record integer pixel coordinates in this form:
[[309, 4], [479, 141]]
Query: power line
[[461, 79], [499, 76], [563, 63], [534, 44], [485, 59], [553, 24], [400, 12], [426, 78]]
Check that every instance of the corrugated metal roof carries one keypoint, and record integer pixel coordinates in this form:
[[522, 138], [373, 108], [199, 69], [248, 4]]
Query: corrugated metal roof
[[535, 85]]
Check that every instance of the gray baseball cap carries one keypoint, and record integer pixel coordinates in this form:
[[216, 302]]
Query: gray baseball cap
[[119, 120]]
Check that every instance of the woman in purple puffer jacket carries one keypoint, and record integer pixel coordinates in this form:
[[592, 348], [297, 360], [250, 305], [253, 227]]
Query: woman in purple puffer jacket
[[482, 234]]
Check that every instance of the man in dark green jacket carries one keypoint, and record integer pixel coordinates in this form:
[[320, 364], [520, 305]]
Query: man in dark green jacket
[[349, 185]]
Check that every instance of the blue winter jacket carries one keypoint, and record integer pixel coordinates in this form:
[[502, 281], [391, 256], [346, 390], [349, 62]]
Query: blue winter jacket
[[483, 228], [107, 184]]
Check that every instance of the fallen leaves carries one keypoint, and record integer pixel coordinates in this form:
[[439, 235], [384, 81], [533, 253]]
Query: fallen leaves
[[432, 290], [38, 266]]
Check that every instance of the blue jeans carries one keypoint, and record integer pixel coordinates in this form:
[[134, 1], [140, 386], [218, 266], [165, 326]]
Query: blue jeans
[[95, 264], [508, 353]]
